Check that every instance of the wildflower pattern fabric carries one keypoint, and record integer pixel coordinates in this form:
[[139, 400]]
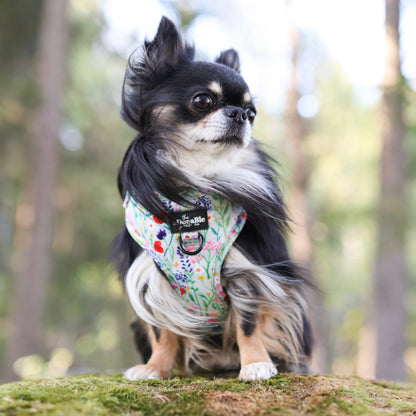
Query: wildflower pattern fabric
[[194, 277]]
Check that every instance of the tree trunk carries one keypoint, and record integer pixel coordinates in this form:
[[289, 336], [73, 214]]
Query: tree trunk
[[34, 214], [389, 315], [299, 206]]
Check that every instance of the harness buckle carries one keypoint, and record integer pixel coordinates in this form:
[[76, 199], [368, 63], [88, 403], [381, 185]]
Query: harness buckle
[[191, 243]]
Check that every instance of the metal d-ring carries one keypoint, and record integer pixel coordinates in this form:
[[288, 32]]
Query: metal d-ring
[[192, 253]]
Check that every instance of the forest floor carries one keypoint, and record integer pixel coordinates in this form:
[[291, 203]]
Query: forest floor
[[285, 394]]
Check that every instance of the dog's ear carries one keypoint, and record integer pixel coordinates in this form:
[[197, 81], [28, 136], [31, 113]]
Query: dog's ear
[[147, 70], [229, 58], [167, 47]]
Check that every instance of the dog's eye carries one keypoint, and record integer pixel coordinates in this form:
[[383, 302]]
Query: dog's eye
[[251, 115], [202, 102]]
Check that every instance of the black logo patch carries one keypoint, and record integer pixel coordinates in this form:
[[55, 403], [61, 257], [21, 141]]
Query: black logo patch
[[184, 221]]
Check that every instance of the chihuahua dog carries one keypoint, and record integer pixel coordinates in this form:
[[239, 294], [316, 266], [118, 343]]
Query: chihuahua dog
[[202, 254]]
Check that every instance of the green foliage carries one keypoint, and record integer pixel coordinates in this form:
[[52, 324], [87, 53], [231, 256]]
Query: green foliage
[[86, 312], [90, 209], [343, 196], [17, 41], [19, 22]]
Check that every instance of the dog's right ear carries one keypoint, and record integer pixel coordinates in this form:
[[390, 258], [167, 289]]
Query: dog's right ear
[[167, 48]]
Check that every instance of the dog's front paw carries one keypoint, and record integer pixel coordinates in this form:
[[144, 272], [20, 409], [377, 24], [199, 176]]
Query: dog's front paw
[[141, 372], [257, 371]]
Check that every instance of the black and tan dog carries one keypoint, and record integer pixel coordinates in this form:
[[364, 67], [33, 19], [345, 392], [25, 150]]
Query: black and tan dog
[[202, 255]]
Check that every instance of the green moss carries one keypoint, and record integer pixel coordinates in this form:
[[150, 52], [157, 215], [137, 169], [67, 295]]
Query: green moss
[[336, 402], [281, 382], [390, 385], [358, 394], [283, 395], [403, 407]]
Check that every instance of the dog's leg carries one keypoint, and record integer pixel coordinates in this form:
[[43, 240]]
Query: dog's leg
[[256, 363], [165, 346]]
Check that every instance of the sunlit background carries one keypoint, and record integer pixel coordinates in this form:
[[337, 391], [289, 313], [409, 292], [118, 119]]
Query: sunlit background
[[339, 73]]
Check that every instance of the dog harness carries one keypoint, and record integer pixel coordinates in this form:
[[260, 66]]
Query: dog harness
[[190, 246]]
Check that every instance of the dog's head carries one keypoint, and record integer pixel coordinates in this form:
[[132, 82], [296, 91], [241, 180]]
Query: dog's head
[[199, 105]]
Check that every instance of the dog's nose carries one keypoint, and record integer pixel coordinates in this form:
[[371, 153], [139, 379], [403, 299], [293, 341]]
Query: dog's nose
[[236, 113]]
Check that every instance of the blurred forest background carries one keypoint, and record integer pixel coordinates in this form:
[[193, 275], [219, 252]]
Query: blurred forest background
[[347, 156]]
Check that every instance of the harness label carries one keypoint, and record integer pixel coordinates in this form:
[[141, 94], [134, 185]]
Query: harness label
[[188, 221]]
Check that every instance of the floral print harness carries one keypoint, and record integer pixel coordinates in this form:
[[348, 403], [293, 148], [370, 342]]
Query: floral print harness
[[190, 246]]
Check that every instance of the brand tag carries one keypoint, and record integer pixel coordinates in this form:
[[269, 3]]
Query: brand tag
[[184, 221]]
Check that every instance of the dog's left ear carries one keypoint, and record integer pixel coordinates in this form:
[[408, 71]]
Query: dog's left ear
[[229, 58]]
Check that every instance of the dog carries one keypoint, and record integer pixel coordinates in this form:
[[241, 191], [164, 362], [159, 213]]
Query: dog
[[202, 254]]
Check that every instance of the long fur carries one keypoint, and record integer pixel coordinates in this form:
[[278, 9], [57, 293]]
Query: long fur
[[258, 275]]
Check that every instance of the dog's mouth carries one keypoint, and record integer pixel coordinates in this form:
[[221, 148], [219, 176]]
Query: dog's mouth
[[230, 139], [234, 135]]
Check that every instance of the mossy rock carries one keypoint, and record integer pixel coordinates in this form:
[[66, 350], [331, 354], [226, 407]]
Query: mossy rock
[[286, 394]]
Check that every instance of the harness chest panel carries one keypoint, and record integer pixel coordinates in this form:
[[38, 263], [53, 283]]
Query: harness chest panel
[[190, 247]]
